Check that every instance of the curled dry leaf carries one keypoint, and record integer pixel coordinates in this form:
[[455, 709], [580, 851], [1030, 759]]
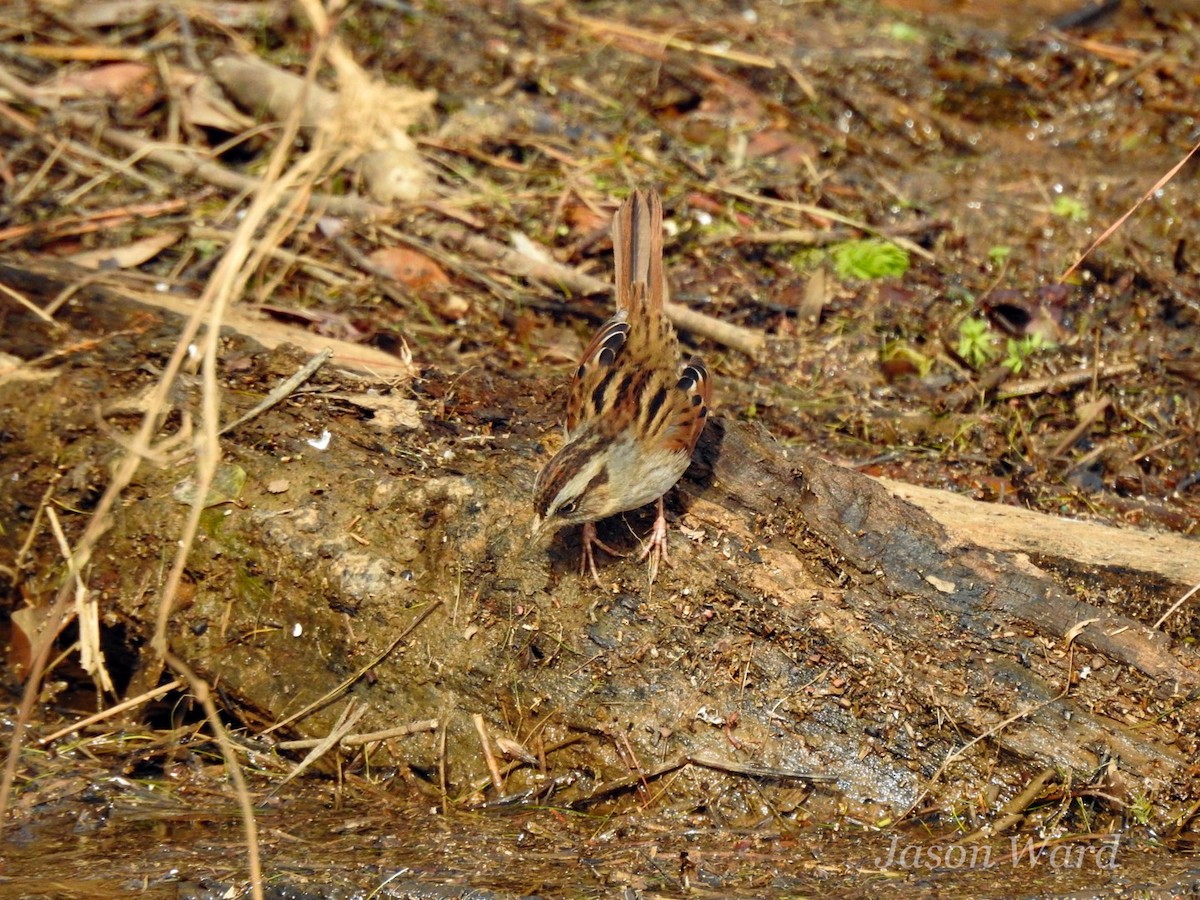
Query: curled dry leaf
[[583, 220], [408, 267], [514, 750], [119, 79], [129, 255]]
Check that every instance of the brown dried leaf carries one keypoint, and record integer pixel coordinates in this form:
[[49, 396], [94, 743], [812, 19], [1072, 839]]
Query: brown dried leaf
[[128, 256], [120, 79], [410, 268]]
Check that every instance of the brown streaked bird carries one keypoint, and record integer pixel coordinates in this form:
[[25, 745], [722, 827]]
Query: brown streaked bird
[[634, 412]]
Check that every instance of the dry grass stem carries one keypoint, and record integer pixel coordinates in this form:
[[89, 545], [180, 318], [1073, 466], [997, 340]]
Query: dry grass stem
[[282, 390], [370, 664], [91, 655], [116, 709], [370, 737], [24, 301], [1174, 606], [983, 736], [345, 723]]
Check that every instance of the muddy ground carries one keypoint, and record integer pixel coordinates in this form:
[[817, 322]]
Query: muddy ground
[[887, 197]]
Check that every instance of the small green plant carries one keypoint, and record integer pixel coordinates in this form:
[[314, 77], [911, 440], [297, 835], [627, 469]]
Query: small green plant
[[1070, 209], [902, 31], [869, 259], [1018, 350], [999, 254], [1141, 809], [976, 343]]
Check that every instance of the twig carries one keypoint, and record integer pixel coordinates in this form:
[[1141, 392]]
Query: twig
[[319, 269], [1063, 380], [443, 784], [659, 39], [737, 768], [807, 236], [356, 740], [822, 213], [112, 711], [91, 655], [281, 390], [1014, 811], [351, 679], [1174, 606], [346, 721], [618, 785], [101, 219], [995, 729], [249, 825], [488, 756], [562, 276], [1158, 185], [28, 304], [517, 763], [178, 161]]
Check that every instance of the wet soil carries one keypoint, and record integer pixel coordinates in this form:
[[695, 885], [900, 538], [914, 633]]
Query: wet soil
[[993, 147]]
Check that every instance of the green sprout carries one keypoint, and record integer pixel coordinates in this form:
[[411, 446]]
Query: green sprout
[[869, 259], [1141, 809], [899, 356], [902, 31], [1070, 209], [999, 254], [975, 342], [1018, 351]]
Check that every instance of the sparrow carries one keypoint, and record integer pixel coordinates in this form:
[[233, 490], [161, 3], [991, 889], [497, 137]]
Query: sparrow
[[634, 412]]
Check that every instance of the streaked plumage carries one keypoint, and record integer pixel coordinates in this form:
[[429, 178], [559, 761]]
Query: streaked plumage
[[633, 414]]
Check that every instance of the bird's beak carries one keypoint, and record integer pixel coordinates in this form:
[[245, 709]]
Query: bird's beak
[[539, 530]]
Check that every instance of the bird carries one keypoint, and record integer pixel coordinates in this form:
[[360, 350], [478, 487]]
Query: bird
[[634, 410]]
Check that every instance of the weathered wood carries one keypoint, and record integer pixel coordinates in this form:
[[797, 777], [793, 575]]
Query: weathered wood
[[1014, 529]]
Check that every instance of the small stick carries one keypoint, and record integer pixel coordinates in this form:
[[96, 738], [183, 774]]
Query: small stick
[[87, 614], [346, 721], [1064, 380], [489, 757], [658, 39], [112, 711], [370, 664], [563, 276], [1158, 185], [1014, 811], [282, 390], [736, 768], [1174, 606], [356, 740], [820, 212], [28, 304]]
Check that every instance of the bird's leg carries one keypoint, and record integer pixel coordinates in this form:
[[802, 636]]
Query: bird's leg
[[656, 543], [587, 561]]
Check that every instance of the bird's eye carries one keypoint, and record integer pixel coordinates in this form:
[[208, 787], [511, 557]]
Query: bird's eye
[[567, 508]]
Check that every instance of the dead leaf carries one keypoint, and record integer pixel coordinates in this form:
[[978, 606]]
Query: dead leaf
[[583, 220], [410, 268], [129, 255], [120, 79], [514, 750], [390, 411]]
